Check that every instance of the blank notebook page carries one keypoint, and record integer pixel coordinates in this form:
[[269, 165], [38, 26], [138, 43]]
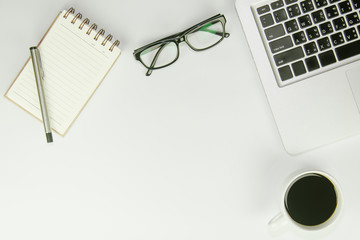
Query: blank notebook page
[[74, 65]]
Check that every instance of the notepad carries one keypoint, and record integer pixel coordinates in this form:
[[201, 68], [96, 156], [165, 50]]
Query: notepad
[[76, 57]]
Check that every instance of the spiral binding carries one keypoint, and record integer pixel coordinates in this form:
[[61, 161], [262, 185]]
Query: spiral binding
[[77, 16], [71, 10], [116, 43], [86, 21], [101, 32], [108, 38], [93, 26]]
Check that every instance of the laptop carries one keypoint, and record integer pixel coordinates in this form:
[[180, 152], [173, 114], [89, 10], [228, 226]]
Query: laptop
[[307, 53]]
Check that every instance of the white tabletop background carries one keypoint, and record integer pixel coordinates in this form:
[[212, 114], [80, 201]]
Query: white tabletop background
[[191, 152]]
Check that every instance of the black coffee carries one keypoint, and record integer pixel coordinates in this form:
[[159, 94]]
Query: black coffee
[[311, 200]]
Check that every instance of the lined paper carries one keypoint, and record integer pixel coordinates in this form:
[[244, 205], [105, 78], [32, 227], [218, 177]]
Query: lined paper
[[74, 65]]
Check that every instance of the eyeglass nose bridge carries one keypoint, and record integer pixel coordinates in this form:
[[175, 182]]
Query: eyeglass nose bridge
[[180, 39]]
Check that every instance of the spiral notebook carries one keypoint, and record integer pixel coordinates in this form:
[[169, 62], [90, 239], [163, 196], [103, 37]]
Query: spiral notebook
[[76, 57]]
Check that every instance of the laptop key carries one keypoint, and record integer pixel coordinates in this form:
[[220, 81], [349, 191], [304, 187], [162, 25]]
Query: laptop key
[[266, 20], [352, 18], [337, 38], [288, 56], [298, 68], [349, 50], [291, 26], [285, 73], [274, 32], [280, 44], [318, 16], [307, 6], [299, 37], [305, 21], [277, 4], [326, 28], [280, 15], [324, 43], [293, 10], [356, 4], [345, 7], [331, 12], [339, 23], [327, 58], [320, 3], [313, 33], [310, 48], [312, 63], [263, 9], [350, 34]]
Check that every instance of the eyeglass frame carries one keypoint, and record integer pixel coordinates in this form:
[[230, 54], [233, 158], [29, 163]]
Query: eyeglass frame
[[179, 38]]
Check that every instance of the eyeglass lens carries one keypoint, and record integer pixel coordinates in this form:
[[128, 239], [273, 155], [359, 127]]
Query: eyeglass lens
[[206, 36], [159, 55]]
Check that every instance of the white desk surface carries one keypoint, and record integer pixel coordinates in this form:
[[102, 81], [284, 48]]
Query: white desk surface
[[191, 152]]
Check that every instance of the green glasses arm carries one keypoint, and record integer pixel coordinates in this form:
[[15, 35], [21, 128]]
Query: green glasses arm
[[206, 29]]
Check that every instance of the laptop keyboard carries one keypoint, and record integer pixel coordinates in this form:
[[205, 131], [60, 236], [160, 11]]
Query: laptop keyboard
[[304, 38]]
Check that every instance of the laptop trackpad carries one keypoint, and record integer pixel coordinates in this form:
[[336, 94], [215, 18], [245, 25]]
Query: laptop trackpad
[[353, 75]]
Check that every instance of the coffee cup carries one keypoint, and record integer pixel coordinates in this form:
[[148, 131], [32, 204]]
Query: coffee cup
[[311, 201]]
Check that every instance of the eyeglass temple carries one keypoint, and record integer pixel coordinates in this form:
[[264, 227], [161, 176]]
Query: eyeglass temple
[[205, 29], [148, 73]]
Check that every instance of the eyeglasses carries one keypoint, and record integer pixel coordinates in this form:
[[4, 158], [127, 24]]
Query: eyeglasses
[[200, 37]]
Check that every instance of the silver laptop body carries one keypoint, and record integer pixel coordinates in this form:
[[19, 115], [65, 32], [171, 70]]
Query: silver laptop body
[[314, 97]]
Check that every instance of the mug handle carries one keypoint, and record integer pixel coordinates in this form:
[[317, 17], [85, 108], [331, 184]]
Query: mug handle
[[278, 223]]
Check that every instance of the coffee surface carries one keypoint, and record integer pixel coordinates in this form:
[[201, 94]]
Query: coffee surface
[[311, 200]]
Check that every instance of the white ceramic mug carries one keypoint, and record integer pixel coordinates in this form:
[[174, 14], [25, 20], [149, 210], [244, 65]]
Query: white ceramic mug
[[283, 220]]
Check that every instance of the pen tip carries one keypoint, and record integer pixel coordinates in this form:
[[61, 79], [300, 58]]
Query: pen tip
[[49, 137]]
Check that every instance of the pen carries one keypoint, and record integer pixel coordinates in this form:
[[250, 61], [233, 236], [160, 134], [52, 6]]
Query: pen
[[39, 77]]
